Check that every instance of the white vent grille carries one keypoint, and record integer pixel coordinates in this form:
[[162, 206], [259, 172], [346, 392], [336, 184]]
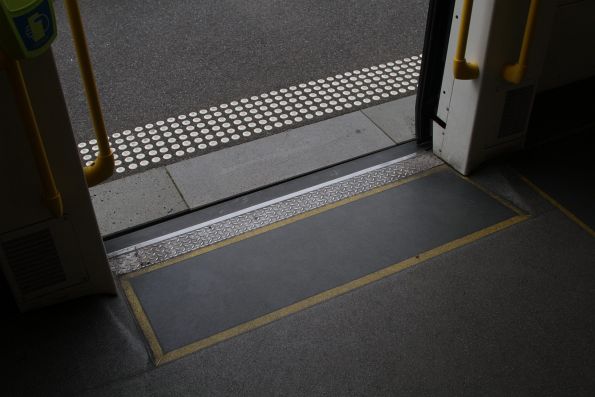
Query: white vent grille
[[33, 261]]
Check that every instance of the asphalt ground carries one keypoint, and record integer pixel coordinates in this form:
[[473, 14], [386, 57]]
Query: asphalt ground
[[158, 59]]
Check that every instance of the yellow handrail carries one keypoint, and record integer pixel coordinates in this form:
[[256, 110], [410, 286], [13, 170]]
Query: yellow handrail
[[516, 72], [50, 193], [103, 166], [462, 69]]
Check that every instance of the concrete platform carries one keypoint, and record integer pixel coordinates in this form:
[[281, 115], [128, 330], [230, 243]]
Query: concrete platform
[[134, 200], [209, 178], [155, 59], [395, 118], [140, 198]]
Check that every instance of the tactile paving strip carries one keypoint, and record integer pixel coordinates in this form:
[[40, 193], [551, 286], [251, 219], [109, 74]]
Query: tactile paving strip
[[195, 133], [209, 233]]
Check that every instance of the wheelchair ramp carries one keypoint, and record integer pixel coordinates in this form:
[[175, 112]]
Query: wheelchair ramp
[[314, 246]]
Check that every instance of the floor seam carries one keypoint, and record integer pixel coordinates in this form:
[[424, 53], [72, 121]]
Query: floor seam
[[377, 126], [177, 187]]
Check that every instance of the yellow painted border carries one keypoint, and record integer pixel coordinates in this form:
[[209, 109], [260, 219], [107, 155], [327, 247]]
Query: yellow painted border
[[499, 199], [559, 206], [161, 358]]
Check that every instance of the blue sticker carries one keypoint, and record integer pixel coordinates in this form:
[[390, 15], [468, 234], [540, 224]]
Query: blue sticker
[[36, 27]]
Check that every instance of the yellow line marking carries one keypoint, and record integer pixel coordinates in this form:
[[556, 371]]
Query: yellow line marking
[[499, 199], [162, 358], [559, 206], [143, 321], [332, 293]]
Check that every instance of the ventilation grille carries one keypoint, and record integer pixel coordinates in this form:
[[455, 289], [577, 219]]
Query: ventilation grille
[[516, 111], [34, 261]]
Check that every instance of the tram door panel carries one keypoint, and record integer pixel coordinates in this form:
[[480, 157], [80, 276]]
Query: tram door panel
[[498, 57]]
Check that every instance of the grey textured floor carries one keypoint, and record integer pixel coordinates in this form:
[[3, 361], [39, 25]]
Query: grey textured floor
[[510, 314], [571, 172], [155, 59], [251, 278]]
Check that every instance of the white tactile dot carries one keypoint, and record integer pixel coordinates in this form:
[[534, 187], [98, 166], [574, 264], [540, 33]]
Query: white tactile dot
[[187, 134]]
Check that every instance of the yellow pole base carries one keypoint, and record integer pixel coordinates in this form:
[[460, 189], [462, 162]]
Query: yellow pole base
[[464, 70], [101, 169], [514, 73]]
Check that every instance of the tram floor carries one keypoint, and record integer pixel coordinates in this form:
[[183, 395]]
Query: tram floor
[[494, 295]]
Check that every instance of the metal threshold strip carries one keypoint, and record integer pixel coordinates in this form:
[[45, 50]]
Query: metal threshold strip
[[202, 235]]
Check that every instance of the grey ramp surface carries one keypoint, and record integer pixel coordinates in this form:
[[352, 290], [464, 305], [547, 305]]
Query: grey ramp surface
[[252, 165], [155, 59], [209, 293]]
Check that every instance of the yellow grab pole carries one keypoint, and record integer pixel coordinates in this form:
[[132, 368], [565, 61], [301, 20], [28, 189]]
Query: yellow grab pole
[[51, 195], [103, 166], [516, 72], [462, 69]]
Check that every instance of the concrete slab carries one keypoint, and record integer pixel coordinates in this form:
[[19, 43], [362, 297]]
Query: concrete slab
[[135, 199], [252, 165], [395, 118]]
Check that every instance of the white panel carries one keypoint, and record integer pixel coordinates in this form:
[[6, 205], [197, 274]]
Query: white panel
[[476, 106], [21, 205]]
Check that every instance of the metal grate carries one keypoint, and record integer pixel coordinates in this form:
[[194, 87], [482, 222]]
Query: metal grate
[[516, 112], [34, 261]]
